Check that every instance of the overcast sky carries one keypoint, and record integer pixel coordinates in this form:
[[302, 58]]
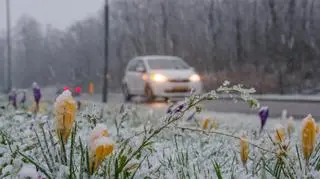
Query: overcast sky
[[59, 13]]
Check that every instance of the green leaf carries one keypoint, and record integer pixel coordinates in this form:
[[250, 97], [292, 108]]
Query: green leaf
[[123, 161], [44, 154], [82, 158], [217, 169]]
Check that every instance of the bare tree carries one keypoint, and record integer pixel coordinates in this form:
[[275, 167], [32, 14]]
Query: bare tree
[[272, 45]]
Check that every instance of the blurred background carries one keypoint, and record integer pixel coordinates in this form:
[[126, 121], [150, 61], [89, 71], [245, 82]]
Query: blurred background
[[271, 45]]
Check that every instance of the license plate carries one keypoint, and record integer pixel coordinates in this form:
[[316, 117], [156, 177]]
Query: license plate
[[181, 88]]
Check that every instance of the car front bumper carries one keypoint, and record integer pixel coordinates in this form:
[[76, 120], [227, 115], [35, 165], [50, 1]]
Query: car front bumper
[[174, 89]]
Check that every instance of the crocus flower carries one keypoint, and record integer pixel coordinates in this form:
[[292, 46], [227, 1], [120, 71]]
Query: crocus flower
[[263, 114], [100, 146], [36, 94], [279, 134], [13, 98], [244, 150], [308, 136], [191, 116], [209, 123], [64, 110], [169, 110], [179, 107], [284, 114], [290, 126], [205, 123]]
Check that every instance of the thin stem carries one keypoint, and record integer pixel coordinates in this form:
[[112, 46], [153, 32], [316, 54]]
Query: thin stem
[[224, 134]]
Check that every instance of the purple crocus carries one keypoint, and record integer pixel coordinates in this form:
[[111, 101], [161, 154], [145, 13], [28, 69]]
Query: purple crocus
[[173, 109], [191, 116], [263, 114], [179, 107], [36, 94], [13, 98], [169, 110]]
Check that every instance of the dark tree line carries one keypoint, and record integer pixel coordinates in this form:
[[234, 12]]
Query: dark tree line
[[272, 45]]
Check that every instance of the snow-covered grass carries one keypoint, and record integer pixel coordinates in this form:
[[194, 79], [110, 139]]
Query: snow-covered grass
[[152, 144]]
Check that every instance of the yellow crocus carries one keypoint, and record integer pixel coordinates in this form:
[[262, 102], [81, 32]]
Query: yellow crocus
[[205, 124], [209, 123], [244, 149], [214, 124], [100, 149], [308, 136], [65, 111], [279, 135]]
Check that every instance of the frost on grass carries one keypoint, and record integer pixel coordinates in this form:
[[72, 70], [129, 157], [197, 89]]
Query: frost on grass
[[180, 150]]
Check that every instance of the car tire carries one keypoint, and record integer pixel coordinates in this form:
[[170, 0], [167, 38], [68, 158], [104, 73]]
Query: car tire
[[149, 94], [126, 94]]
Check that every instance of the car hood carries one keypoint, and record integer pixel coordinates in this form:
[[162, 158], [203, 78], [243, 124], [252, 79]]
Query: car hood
[[175, 74]]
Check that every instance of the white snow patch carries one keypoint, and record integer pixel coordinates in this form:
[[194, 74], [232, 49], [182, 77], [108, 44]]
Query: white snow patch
[[102, 141], [28, 171], [97, 132], [62, 97]]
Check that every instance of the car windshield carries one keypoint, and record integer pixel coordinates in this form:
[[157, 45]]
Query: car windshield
[[167, 64]]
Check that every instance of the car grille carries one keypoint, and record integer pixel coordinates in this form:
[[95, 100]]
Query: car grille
[[179, 80]]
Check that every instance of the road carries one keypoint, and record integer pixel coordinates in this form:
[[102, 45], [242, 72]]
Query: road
[[297, 109]]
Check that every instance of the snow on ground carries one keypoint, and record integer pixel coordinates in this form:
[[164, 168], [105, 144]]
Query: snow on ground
[[176, 152]]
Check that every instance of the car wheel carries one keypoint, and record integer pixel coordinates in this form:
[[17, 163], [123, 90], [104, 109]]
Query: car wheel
[[126, 93], [149, 94]]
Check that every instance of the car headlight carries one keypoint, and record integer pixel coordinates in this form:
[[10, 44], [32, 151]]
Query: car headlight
[[194, 77], [158, 77]]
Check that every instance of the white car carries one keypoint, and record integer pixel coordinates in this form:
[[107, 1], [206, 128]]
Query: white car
[[159, 76]]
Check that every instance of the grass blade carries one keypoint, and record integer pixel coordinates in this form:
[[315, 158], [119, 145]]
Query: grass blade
[[36, 164], [43, 152], [298, 154], [217, 169], [74, 131]]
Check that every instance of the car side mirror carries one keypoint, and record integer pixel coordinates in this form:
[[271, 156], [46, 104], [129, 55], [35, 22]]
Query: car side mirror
[[140, 69]]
